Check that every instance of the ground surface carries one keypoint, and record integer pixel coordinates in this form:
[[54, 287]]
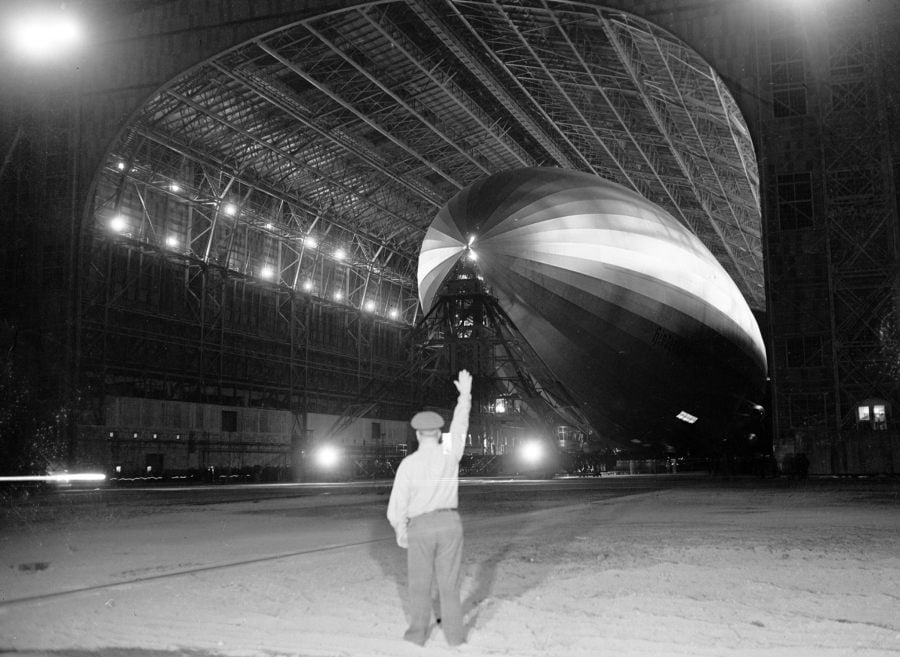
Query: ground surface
[[718, 568]]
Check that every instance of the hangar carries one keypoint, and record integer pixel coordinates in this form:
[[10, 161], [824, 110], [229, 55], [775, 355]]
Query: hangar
[[216, 211]]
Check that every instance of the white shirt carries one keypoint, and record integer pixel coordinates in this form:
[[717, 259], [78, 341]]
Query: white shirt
[[428, 479]]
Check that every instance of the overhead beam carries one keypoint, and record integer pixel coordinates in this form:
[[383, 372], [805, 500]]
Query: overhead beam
[[425, 11], [748, 286]]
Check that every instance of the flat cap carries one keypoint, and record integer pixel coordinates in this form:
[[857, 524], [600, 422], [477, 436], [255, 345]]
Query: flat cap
[[425, 420]]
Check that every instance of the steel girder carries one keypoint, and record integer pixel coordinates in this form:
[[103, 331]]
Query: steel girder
[[352, 128]]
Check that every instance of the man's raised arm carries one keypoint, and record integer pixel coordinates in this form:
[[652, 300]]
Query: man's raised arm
[[459, 425]]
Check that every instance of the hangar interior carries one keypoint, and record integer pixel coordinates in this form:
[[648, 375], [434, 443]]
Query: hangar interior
[[212, 254]]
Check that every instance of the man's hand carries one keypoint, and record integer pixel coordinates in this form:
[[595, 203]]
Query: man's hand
[[464, 383]]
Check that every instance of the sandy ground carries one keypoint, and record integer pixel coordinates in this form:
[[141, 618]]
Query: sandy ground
[[799, 570]]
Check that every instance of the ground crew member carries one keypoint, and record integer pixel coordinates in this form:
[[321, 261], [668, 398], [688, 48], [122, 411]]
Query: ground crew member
[[422, 510]]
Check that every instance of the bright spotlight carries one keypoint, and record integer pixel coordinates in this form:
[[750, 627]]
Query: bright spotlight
[[532, 452], [327, 456], [370, 306], [338, 296], [266, 272], [45, 34], [394, 313], [340, 254], [174, 187], [172, 242], [118, 224], [307, 285], [229, 209], [310, 242]]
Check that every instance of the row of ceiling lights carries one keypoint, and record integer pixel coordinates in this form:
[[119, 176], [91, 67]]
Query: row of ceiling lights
[[119, 224]]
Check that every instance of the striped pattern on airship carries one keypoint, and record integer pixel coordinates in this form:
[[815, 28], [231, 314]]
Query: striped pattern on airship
[[626, 306]]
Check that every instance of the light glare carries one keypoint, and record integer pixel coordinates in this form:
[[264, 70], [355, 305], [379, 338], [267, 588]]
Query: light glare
[[532, 451], [64, 477], [43, 35], [327, 456]]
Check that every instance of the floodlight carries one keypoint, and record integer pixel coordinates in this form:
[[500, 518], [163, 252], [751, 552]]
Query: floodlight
[[172, 242], [532, 452], [310, 242], [370, 306], [394, 313], [118, 223], [229, 209], [45, 34], [266, 272], [340, 254], [327, 456], [338, 296], [307, 285], [174, 187]]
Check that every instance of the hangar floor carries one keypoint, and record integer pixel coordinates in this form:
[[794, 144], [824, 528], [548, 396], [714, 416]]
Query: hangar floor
[[627, 566]]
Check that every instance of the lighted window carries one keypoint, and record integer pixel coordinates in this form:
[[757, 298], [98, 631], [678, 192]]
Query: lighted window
[[879, 417], [684, 416], [872, 414]]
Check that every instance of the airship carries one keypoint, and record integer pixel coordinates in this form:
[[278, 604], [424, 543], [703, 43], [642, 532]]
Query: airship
[[625, 306]]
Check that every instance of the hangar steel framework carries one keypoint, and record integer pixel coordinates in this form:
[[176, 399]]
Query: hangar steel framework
[[306, 153]]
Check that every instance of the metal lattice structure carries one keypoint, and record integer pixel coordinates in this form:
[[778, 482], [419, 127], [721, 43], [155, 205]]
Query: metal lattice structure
[[351, 129], [833, 238], [255, 228]]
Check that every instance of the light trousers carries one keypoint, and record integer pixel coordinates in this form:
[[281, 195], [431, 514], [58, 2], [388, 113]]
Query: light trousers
[[434, 554]]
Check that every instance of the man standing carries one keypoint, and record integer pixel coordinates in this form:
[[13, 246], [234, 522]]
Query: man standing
[[422, 510]]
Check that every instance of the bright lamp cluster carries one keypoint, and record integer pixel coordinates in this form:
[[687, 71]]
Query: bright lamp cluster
[[121, 224]]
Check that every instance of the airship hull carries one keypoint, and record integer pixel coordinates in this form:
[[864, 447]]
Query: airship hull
[[627, 308]]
